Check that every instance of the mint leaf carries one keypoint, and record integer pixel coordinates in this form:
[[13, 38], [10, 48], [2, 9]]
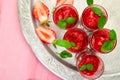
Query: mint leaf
[[97, 11], [83, 67], [89, 2], [113, 35], [90, 67], [108, 46], [64, 43], [86, 66], [101, 22], [62, 24], [65, 54], [70, 20]]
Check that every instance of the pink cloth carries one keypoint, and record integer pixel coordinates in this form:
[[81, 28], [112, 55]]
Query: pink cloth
[[17, 61]]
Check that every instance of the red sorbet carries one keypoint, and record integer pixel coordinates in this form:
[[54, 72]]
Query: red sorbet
[[79, 37], [64, 11], [90, 19]]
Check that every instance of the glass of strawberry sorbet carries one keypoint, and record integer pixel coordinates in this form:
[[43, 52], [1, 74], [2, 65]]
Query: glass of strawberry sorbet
[[98, 39], [77, 36], [65, 16], [91, 16], [89, 65]]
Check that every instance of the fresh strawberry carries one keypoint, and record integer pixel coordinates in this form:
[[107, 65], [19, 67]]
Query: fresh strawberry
[[41, 12], [69, 2], [60, 2], [46, 34]]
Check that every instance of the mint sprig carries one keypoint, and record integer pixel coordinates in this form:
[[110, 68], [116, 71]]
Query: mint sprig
[[102, 20], [87, 66], [109, 44], [65, 54], [64, 43], [90, 2], [63, 23]]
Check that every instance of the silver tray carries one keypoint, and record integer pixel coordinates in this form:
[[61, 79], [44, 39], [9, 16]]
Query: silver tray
[[65, 68]]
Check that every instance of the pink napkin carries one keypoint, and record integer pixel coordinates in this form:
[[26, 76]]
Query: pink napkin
[[17, 61]]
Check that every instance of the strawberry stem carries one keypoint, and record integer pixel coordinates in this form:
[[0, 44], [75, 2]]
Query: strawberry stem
[[45, 23]]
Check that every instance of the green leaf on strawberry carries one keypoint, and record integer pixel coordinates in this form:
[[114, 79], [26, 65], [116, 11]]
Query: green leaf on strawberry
[[90, 2], [65, 54], [101, 22]]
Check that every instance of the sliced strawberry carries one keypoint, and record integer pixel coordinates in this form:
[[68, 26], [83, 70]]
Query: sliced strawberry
[[46, 34], [41, 12], [60, 2], [69, 2]]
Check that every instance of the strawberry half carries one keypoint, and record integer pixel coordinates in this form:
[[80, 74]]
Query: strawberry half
[[41, 12], [60, 2], [46, 34]]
